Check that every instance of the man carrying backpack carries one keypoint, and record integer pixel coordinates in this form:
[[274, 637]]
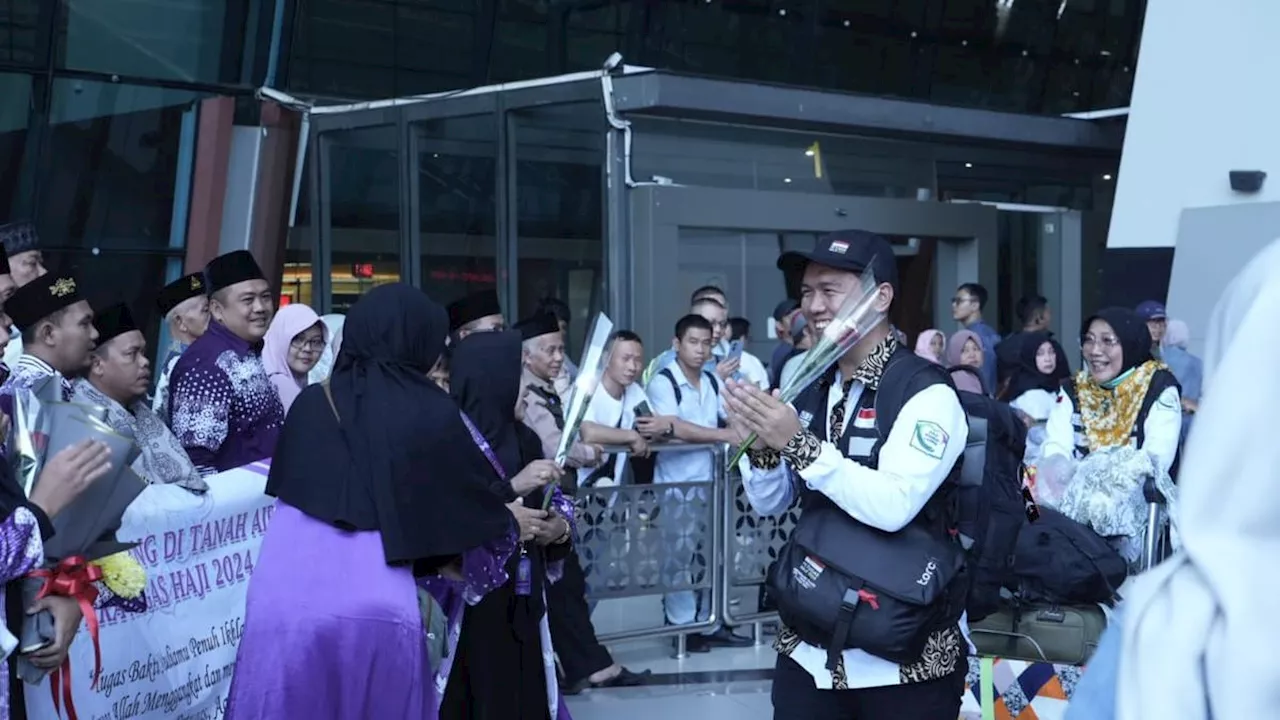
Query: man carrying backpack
[[872, 583]]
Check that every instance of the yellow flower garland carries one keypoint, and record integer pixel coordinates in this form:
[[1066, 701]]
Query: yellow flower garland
[[1108, 416], [123, 575]]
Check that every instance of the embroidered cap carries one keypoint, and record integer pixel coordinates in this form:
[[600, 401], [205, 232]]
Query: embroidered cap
[[114, 321], [234, 267], [19, 237], [538, 325], [179, 291], [473, 307], [849, 250], [41, 298]]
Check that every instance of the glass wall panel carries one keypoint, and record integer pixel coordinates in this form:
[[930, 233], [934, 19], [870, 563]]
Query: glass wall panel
[[108, 165], [299, 253], [15, 115], [213, 41], [711, 155], [560, 205], [364, 214], [20, 31], [457, 170]]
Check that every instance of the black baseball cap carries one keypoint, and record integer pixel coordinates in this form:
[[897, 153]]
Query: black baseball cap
[[785, 308], [850, 250]]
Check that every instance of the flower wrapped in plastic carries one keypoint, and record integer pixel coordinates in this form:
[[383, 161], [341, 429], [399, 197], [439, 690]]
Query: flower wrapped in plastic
[[856, 317], [595, 358]]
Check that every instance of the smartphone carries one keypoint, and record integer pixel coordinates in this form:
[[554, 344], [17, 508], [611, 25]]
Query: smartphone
[[642, 410], [735, 350]]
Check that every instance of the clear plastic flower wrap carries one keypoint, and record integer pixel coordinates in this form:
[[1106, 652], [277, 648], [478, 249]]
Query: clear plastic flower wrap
[[857, 316], [595, 358]]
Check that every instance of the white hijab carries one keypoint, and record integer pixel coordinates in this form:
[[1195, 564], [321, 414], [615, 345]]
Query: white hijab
[[1200, 630], [333, 330]]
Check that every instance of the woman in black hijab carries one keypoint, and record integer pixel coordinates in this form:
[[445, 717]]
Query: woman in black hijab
[[1122, 397], [500, 670], [378, 480], [1033, 377]]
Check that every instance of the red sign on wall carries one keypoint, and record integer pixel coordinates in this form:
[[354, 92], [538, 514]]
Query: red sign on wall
[[362, 270], [285, 300]]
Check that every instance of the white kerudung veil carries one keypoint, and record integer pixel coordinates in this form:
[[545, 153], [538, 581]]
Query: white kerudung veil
[[1201, 630]]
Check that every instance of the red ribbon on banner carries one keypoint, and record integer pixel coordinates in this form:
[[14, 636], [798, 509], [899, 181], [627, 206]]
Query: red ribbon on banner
[[73, 578]]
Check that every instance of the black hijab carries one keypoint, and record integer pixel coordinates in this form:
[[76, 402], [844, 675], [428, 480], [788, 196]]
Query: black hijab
[[485, 380], [1131, 331], [1024, 375], [400, 460]]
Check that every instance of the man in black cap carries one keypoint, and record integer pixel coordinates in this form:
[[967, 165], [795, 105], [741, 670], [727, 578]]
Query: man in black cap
[[477, 312], [542, 408], [57, 333], [223, 408], [185, 308], [118, 378], [26, 263], [854, 476]]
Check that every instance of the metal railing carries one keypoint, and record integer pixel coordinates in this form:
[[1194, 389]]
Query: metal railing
[[650, 540]]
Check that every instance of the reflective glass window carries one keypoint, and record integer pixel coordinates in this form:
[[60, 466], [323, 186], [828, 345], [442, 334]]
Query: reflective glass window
[[15, 114], [211, 41], [128, 277], [364, 211], [560, 206], [20, 31], [457, 170], [107, 169]]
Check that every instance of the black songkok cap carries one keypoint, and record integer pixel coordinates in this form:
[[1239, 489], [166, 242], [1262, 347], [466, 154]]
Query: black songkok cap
[[227, 270], [4, 262], [178, 291], [538, 325], [19, 237], [472, 308], [41, 298], [112, 322]]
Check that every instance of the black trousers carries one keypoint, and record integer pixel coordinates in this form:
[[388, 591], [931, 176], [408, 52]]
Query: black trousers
[[795, 697], [572, 634]]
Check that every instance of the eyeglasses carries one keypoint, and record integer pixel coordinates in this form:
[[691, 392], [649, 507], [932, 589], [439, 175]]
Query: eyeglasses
[[1088, 343], [960, 300], [314, 344]]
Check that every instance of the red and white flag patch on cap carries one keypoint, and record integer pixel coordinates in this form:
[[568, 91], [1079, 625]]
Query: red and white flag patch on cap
[[866, 418], [838, 246]]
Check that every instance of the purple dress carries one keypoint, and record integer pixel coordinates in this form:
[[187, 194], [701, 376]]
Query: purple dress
[[21, 551], [222, 407], [332, 631]]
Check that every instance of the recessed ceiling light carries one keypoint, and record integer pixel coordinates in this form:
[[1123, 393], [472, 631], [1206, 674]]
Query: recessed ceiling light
[[1106, 176], [808, 153], [786, 180], [968, 165]]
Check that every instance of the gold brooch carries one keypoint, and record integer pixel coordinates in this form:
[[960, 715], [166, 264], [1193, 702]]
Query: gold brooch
[[195, 282], [62, 287]]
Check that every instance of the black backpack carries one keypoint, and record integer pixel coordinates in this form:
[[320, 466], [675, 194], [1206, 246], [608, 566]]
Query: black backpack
[[989, 505], [1063, 562]]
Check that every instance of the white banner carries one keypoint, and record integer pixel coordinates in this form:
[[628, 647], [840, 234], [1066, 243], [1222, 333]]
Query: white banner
[[175, 659]]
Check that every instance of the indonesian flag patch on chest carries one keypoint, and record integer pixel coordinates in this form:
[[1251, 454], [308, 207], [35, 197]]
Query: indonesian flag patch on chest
[[866, 418]]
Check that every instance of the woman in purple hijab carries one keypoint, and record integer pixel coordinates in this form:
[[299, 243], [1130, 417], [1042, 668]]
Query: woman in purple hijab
[[379, 484]]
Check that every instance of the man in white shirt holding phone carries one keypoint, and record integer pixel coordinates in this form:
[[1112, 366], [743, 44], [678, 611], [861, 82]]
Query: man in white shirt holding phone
[[611, 416]]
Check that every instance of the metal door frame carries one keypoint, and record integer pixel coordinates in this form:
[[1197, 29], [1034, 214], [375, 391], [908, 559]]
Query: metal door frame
[[658, 212]]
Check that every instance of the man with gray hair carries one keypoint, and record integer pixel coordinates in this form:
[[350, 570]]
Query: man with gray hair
[[185, 308], [539, 402]]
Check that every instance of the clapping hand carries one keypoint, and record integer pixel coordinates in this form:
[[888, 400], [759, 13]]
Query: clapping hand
[[773, 421]]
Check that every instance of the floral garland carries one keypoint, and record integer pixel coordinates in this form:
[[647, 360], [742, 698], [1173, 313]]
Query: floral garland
[[123, 575], [1108, 415]]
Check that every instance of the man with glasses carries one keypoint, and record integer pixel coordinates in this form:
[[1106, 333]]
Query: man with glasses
[[966, 309]]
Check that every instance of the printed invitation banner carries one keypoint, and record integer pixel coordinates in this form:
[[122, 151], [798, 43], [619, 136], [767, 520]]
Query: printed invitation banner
[[174, 660]]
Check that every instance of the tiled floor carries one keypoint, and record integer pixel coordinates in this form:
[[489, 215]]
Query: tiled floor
[[724, 684]]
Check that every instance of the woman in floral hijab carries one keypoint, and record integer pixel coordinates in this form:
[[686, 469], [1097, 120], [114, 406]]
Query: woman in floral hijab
[[1122, 397]]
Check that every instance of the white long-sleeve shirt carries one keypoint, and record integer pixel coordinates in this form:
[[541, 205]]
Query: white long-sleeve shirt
[[1160, 430], [919, 452]]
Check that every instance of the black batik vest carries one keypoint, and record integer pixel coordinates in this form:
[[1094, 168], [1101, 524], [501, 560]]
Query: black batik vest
[[553, 404]]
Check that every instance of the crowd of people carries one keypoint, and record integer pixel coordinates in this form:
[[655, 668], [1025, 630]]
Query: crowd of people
[[412, 448]]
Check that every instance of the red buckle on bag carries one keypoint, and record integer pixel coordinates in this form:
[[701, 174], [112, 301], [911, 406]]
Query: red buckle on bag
[[869, 598]]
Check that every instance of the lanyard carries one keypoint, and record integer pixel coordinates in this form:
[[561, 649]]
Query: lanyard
[[483, 444]]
